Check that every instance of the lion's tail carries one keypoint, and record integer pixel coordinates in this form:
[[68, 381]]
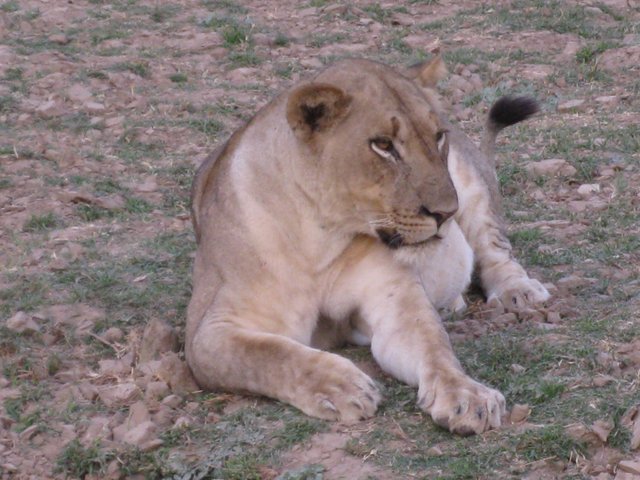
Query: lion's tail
[[504, 112]]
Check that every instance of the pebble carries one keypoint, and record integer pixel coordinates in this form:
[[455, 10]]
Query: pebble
[[588, 189], [519, 413], [158, 338], [571, 106], [22, 322], [119, 395], [550, 167], [113, 334], [140, 434], [629, 466]]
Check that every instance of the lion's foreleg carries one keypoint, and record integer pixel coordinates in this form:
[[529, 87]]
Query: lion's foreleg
[[501, 276], [321, 384], [409, 341]]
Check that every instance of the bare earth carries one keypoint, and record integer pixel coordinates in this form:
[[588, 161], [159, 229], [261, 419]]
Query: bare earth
[[106, 109]]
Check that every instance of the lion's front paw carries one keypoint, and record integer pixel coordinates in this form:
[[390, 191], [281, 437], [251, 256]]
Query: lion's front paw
[[462, 405], [337, 390], [518, 294]]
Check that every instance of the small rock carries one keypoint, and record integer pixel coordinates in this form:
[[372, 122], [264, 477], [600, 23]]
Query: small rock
[[176, 373], [3, 382], [588, 189], [114, 122], [550, 167], [119, 395], [94, 107], [49, 109], [519, 413], [138, 414], [434, 451], [602, 428], [629, 466], [183, 422], [571, 106], [78, 93], [113, 334], [157, 339], [516, 368], [172, 401], [98, 429], [113, 367], [59, 38], [336, 9], [311, 63], [602, 380], [163, 418], [22, 322], [608, 100], [88, 391], [137, 436], [156, 391]]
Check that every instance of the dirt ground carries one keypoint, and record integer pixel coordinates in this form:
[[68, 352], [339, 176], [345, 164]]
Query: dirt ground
[[108, 107]]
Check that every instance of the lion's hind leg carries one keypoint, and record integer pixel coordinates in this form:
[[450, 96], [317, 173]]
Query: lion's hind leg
[[321, 384]]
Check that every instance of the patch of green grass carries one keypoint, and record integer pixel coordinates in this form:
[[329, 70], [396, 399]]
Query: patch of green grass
[[91, 213], [40, 223], [7, 103], [5, 183], [100, 35], [236, 34], [548, 442], [209, 126], [10, 6], [139, 68], [162, 13], [13, 74], [588, 53], [178, 78], [77, 461], [281, 40], [378, 13], [245, 58], [321, 39]]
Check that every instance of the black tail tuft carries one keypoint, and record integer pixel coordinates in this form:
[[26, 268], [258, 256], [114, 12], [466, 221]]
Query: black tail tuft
[[510, 110]]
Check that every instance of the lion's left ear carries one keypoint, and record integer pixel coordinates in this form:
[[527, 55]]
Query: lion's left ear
[[315, 107]]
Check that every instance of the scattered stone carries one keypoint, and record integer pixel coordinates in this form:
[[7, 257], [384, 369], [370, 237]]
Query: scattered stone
[[588, 189], [140, 434], [163, 417], [516, 368], [630, 466], [98, 429], [78, 93], [176, 374], [88, 391], [519, 413], [550, 167], [114, 122], [79, 316], [21, 322], [571, 106], [59, 38], [114, 367], [50, 109], [156, 391], [158, 338], [119, 395], [94, 107], [172, 401], [113, 334], [602, 380], [183, 422], [602, 428], [608, 100], [434, 451]]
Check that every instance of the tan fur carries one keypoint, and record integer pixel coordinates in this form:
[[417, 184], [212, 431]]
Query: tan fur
[[288, 215]]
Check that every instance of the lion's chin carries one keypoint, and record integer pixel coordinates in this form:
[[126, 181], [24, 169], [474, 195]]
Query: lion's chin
[[394, 240]]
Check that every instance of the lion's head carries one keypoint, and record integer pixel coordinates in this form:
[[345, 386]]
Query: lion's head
[[380, 149]]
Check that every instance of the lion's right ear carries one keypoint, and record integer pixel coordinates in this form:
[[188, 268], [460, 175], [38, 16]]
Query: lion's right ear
[[315, 107], [430, 73]]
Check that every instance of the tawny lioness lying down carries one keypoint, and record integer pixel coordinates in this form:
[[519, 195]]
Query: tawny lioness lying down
[[349, 210]]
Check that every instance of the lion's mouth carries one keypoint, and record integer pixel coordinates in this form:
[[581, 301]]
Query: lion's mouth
[[393, 239]]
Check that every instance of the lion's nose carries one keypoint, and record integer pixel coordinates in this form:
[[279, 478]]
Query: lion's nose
[[439, 217]]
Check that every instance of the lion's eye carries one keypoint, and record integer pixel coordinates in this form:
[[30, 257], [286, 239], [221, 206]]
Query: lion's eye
[[441, 138], [384, 147]]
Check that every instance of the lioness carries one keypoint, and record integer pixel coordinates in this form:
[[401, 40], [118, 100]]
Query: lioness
[[347, 209]]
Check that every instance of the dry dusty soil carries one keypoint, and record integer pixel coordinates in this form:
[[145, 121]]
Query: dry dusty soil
[[106, 109]]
